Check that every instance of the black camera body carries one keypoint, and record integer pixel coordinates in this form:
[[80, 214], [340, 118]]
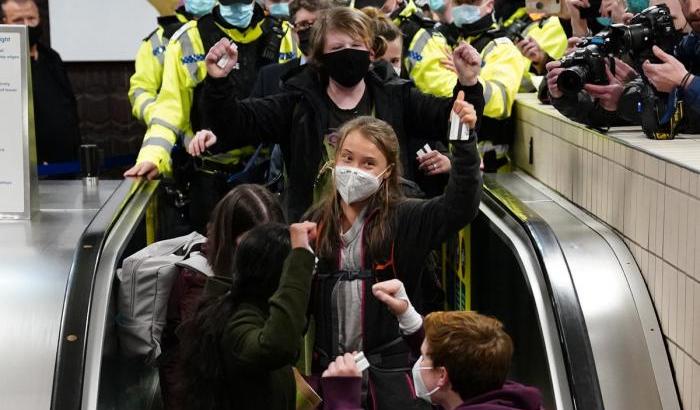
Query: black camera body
[[652, 27], [585, 65], [515, 31]]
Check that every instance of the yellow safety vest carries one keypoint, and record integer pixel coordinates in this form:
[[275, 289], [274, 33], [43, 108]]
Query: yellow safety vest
[[148, 73], [184, 69], [289, 49], [501, 74]]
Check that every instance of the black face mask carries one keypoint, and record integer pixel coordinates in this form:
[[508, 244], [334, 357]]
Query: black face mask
[[304, 40], [34, 35], [347, 66]]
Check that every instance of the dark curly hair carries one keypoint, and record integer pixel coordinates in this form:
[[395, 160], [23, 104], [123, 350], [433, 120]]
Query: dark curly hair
[[257, 268]]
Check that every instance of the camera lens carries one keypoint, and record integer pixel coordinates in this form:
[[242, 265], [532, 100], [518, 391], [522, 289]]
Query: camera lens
[[572, 79], [637, 37]]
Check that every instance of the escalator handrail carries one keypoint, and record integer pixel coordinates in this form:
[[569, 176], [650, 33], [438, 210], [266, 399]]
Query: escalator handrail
[[576, 346], [72, 343]]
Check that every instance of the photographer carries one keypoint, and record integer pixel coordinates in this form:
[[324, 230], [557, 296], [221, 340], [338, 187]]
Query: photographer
[[675, 75], [594, 105], [598, 102], [670, 75]]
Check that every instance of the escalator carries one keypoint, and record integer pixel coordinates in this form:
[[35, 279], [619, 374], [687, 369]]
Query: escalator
[[573, 299], [564, 285]]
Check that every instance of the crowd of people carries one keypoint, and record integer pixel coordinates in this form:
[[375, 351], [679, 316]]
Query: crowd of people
[[309, 112], [324, 104]]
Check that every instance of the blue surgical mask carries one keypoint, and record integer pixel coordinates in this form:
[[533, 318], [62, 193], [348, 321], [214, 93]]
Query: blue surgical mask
[[279, 10], [466, 14], [437, 6], [604, 21], [636, 6], [237, 14], [199, 7]]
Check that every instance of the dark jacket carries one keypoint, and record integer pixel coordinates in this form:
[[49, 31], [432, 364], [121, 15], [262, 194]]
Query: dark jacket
[[417, 227], [269, 78], [55, 109], [343, 393], [298, 118], [512, 396], [260, 344], [585, 109]]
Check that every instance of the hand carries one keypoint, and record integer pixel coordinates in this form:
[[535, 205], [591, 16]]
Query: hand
[[201, 141], [143, 169], [624, 72], [343, 366], [530, 49], [464, 111], [553, 71], [467, 61], [393, 295], [302, 235], [615, 9], [571, 44], [579, 25], [667, 75], [223, 48], [575, 6], [434, 163], [608, 95]]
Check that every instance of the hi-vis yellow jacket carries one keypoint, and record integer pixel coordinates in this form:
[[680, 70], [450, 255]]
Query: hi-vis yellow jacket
[[501, 73], [184, 69], [148, 75]]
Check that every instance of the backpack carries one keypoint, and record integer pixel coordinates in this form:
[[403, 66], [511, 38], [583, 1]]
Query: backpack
[[145, 281]]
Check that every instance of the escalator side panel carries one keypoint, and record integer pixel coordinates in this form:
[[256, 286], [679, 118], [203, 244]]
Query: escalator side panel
[[556, 390]]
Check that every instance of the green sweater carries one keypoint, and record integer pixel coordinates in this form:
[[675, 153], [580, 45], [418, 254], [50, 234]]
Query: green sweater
[[260, 344]]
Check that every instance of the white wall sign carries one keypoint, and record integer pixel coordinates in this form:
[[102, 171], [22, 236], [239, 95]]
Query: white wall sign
[[100, 30], [17, 149]]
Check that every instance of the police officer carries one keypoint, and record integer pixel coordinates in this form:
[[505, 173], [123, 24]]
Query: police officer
[[148, 75], [422, 48], [176, 115], [473, 21]]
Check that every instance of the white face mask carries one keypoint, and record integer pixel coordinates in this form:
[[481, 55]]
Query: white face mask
[[422, 391], [356, 185]]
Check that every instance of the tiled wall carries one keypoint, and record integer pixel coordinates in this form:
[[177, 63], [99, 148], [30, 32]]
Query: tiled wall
[[653, 203]]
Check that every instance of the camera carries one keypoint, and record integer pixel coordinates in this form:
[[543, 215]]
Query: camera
[[653, 26], [585, 65], [515, 31]]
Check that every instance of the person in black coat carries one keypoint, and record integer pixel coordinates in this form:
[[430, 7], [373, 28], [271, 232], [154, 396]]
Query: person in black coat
[[55, 107], [318, 98]]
